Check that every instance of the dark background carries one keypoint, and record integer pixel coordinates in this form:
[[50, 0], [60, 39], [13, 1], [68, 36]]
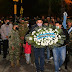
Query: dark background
[[31, 8]]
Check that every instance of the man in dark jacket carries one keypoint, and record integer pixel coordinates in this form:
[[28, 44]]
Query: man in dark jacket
[[39, 52]]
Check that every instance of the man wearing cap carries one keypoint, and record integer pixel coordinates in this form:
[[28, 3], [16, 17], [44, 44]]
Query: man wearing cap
[[14, 45], [69, 46]]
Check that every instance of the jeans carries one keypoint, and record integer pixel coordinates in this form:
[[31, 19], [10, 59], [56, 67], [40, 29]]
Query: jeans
[[59, 55], [5, 47], [48, 53], [27, 57], [39, 52]]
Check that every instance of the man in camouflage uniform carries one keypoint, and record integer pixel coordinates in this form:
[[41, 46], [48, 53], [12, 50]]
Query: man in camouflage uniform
[[69, 28], [23, 29], [14, 45]]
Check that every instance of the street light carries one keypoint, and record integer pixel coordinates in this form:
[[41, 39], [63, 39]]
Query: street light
[[15, 0], [15, 8], [21, 10]]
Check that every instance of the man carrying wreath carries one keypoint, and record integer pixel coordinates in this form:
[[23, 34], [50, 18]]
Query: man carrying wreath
[[39, 52], [59, 52]]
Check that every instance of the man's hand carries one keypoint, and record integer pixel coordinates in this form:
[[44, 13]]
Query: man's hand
[[65, 14], [22, 38], [12, 47], [53, 20], [7, 37], [67, 44], [20, 44], [24, 45]]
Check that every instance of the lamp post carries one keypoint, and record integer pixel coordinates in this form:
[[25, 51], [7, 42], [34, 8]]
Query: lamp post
[[21, 10], [15, 8]]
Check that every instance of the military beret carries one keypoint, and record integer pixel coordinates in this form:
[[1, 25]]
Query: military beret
[[69, 20], [15, 23]]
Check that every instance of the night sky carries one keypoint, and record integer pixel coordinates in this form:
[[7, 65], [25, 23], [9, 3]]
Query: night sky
[[31, 8]]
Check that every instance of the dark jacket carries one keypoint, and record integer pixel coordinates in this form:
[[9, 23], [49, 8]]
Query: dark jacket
[[67, 36], [32, 29]]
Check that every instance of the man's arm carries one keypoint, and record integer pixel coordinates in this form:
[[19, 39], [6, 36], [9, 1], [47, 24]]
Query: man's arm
[[64, 21]]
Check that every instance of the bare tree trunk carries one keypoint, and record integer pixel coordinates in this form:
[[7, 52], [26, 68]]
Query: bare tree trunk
[[49, 9]]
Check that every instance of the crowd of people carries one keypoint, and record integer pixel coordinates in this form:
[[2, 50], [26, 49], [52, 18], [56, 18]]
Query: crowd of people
[[12, 37]]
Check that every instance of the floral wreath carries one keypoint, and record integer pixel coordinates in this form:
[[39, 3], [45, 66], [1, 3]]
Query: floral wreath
[[43, 36]]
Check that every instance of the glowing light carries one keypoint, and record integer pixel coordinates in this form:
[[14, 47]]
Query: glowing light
[[68, 1]]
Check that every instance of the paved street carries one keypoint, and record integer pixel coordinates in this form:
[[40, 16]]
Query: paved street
[[49, 67]]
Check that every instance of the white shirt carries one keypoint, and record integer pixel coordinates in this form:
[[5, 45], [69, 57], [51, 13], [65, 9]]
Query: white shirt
[[5, 30]]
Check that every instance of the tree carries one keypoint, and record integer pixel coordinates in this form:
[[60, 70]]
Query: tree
[[52, 5]]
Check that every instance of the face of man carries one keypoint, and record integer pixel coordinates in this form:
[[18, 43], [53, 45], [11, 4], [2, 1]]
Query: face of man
[[7, 21], [11, 22], [57, 25], [60, 26], [48, 18], [69, 23], [39, 22], [22, 21], [43, 17], [27, 18], [46, 24], [15, 27], [58, 19]]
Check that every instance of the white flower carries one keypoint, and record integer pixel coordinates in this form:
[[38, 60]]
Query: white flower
[[59, 37], [38, 40], [44, 43], [35, 39], [44, 28], [56, 30], [50, 29], [33, 32], [47, 31], [38, 43], [51, 42], [48, 42], [44, 32], [35, 36], [41, 43], [30, 38], [41, 32], [55, 41], [39, 29]]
